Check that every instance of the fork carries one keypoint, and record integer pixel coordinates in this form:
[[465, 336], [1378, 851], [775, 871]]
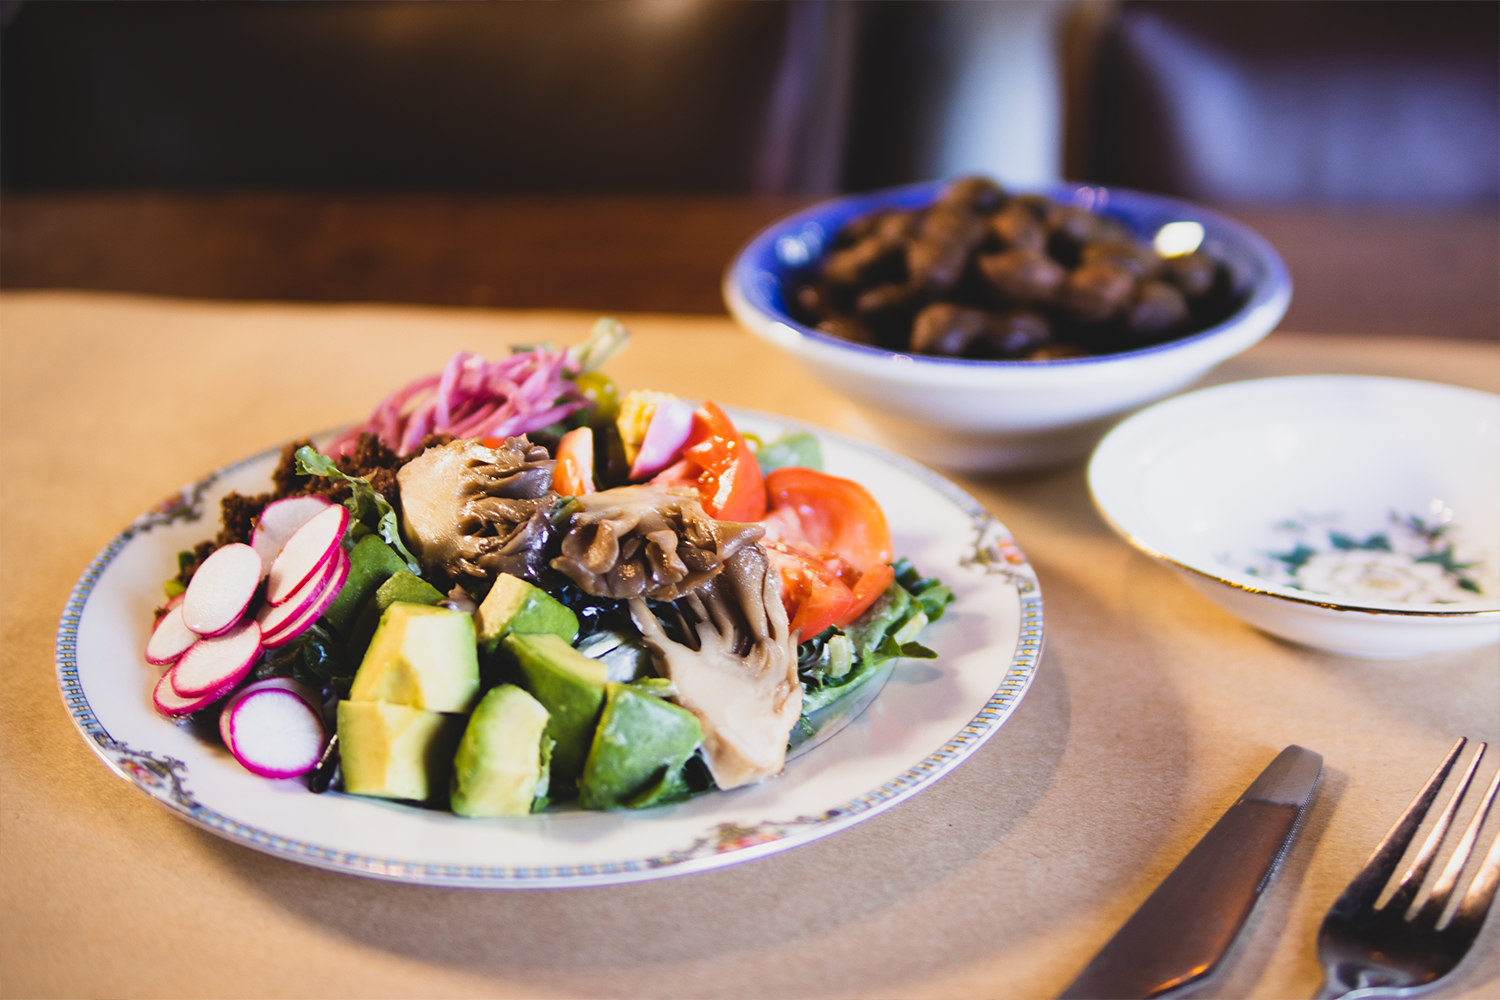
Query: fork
[[1395, 950]]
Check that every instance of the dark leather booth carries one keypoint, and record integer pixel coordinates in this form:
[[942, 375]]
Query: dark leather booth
[[650, 95], [1349, 103], [1269, 101]]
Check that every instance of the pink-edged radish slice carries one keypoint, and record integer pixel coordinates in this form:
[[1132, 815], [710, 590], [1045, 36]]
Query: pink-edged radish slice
[[277, 621], [161, 612], [273, 732], [221, 589], [273, 616], [671, 423], [276, 683], [171, 704], [170, 639], [290, 629], [217, 663], [305, 552], [280, 521]]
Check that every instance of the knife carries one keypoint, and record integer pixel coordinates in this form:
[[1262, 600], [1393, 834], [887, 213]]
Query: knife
[[1184, 928]]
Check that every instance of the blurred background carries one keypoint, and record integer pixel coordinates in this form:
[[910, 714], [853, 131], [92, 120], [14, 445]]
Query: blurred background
[[613, 156]]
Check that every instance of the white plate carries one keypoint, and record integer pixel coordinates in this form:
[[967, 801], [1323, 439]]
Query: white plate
[[930, 716]]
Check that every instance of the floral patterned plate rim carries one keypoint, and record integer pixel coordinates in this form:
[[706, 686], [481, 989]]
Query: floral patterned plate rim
[[930, 716]]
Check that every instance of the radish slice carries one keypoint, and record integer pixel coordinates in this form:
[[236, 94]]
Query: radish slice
[[221, 589], [217, 663], [280, 521], [305, 552], [292, 628], [161, 612], [273, 732], [171, 704], [670, 426], [170, 639], [272, 616], [271, 683]]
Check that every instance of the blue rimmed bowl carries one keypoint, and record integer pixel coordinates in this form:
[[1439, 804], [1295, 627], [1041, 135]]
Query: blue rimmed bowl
[[975, 415]]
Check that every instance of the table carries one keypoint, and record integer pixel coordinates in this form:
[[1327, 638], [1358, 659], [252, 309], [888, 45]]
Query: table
[[1151, 711]]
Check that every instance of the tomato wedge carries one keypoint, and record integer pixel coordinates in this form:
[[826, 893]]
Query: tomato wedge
[[574, 474], [871, 585], [813, 597], [837, 517], [717, 461]]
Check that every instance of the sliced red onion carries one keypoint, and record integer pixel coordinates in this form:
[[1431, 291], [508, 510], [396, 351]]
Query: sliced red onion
[[671, 423], [472, 397]]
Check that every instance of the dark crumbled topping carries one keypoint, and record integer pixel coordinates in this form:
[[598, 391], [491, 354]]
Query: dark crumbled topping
[[370, 459]]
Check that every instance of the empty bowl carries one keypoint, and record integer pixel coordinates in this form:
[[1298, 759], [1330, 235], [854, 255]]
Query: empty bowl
[[1352, 514], [982, 415]]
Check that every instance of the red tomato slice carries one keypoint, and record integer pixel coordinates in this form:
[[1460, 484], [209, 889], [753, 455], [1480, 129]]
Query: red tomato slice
[[574, 474], [813, 597], [721, 465], [837, 516], [870, 586]]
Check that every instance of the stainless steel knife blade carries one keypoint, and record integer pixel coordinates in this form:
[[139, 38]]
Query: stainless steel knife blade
[[1184, 928]]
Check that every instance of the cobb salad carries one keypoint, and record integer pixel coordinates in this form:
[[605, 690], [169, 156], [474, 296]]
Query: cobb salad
[[513, 586]]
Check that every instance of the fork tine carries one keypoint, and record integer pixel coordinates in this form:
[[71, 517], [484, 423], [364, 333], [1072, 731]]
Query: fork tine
[[1442, 889], [1476, 902], [1411, 882], [1372, 878]]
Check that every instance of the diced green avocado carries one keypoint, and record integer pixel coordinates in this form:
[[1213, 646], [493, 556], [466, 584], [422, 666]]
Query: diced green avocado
[[639, 749], [395, 752], [408, 588], [501, 765], [370, 564], [421, 657], [403, 586], [513, 605], [570, 686]]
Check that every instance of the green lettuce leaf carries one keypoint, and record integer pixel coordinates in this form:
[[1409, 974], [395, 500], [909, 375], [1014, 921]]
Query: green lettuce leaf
[[314, 659], [371, 510], [885, 632], [797, 449]]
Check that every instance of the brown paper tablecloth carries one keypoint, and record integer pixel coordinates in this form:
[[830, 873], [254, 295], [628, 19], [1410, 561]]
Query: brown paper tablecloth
[[1151, 711]]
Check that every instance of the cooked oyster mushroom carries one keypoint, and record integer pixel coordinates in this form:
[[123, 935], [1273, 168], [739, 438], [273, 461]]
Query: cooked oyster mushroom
[[646, 541], [472, 511], [741, 680]]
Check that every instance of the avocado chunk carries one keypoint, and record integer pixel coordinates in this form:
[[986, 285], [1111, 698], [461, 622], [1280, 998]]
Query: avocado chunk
[[421, 657], [395, 752], [371, 563], [639, 749], [513, 605], [570, 686], [501, 767], [403, 586]]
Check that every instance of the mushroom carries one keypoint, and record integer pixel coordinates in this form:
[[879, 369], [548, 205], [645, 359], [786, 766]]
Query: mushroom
[[472, 511], [646, 541], [741, 679]]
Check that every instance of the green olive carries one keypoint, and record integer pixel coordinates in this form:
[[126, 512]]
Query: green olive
[[602, 393]]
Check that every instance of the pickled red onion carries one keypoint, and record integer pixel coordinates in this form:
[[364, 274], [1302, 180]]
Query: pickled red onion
[[472, 397]]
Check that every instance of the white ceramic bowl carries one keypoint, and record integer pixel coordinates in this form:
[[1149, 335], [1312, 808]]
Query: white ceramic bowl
[[1319, 507], [972, 415]]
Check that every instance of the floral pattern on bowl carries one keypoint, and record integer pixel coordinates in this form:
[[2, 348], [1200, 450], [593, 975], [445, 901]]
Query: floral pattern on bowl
[[1411, 560]]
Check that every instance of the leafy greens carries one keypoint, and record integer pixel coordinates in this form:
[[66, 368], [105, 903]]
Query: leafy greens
[[366, 504]]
